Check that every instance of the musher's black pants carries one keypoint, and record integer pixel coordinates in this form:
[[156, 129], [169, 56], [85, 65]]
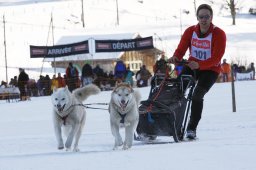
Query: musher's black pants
[[205, 80]]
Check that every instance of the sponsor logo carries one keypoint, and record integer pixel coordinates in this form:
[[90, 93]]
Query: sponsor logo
[[38, 51], [205, 44], [80, 47], [145, 43], [103, 46]]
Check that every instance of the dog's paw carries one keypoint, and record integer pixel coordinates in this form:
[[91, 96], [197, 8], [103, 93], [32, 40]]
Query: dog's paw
[[115, 148], [60, 147], [120, 143], [126, 147], [68, 149], [76, 150]]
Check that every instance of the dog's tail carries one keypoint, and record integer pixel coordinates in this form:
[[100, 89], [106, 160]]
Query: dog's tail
[[84, 92]]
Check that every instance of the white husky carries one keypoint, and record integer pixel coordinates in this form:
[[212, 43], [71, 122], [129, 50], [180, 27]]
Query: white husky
[[69, 113], [123, 109]]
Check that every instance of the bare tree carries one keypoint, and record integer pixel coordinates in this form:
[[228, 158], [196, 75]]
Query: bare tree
[[232, 7], [195, 6]]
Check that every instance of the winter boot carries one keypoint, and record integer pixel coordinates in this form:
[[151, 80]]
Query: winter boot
[[191, 134]]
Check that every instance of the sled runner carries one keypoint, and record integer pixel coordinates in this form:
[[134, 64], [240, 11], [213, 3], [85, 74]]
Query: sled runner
[[166, 110]]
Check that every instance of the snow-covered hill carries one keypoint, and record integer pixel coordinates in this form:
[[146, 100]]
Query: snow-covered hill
[[28, 23]]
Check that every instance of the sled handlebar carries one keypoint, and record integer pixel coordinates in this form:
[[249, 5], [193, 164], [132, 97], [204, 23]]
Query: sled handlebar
[[181, 62]]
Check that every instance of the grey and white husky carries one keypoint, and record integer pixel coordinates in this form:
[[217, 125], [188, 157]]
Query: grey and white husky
[[69, 114], [123, 109]]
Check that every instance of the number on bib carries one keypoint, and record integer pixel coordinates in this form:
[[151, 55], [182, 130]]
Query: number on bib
[[201, 55]]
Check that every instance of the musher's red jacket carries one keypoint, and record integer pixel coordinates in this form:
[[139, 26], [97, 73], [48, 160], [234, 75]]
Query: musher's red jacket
[[217, 48]]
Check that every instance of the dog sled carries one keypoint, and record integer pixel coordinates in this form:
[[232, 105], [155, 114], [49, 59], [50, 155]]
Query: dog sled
[[166, 110]]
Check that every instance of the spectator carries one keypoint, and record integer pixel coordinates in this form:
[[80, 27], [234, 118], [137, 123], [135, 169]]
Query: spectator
[[87, 74], [47, 85], [129, 76], [14, 81], [235, 70], [22, 83], [3, 84], [160, 66], [252, 68], [32, 88], [99, 73], [225, 70], [61, 81], [111, 75], [120, 71], [111, 79], [54, 82], [72, 77], [65, 79], [144, 76], [137, 77], [40, 85]]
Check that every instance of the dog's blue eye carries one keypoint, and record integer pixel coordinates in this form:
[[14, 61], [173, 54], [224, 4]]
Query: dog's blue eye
[[56, 99], [63, 99], [127, 95], [119, 94]]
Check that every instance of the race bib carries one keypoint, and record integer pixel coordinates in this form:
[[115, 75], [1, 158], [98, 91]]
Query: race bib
[[201, 47]]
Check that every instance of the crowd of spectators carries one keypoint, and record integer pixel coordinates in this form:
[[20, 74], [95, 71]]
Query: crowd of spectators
[[240, 72], [105, 80]]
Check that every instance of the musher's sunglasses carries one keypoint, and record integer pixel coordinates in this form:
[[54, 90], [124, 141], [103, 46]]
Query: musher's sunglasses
[[203, 17]]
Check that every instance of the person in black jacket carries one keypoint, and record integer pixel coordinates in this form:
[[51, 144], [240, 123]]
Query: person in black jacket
[[160, 66], [87, 74], [72, 77], [99, 75], [22, 83]]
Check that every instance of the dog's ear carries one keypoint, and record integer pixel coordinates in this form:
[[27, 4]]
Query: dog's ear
[[118, 83], [130, 86], [128, 83], [54, 89], [115, 89], [132, 89], [66, 87]]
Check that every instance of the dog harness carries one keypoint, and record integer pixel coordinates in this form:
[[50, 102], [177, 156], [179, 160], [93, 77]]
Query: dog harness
[[122, 117], [63, 118]]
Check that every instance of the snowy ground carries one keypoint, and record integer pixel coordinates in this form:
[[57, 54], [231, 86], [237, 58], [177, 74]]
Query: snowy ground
[[227, 140], [29, 24]]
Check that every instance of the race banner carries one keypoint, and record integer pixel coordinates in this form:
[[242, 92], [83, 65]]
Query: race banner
[[59, 50], [124, 45]]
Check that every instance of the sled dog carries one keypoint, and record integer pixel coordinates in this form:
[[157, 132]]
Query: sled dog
[[69, 115], [123, 109]]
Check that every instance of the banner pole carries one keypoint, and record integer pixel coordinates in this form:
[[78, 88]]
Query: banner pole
[[5, 55], [53, 42], [49, 29]]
